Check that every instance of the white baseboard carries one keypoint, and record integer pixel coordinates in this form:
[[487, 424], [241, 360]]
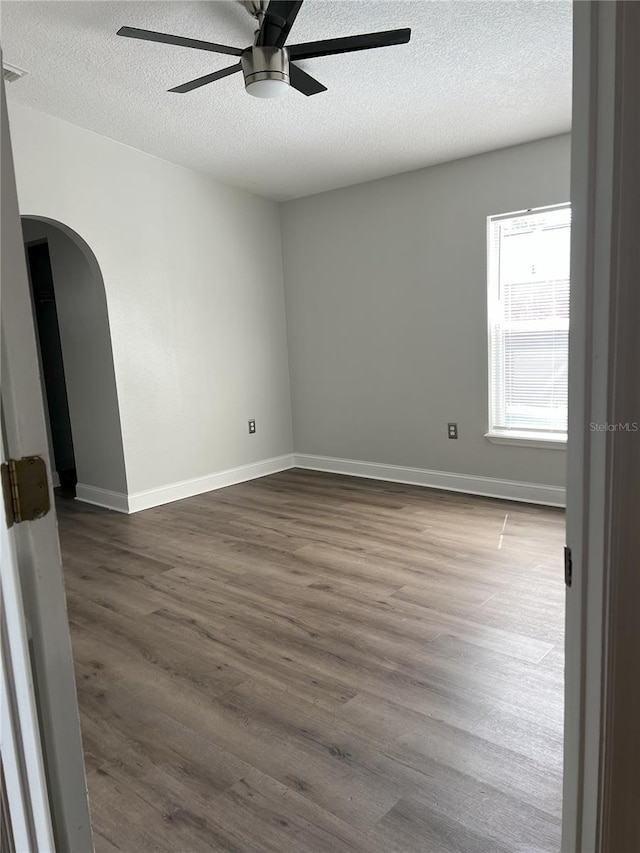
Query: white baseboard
[[102, 497], [55, 479], [487, 486], [138, 501]]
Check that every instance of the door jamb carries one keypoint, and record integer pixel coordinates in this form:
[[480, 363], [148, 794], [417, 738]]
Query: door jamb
[[603, 464]]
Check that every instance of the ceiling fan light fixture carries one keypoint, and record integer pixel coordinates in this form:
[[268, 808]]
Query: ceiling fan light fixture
[[266, 71], [267, 87]]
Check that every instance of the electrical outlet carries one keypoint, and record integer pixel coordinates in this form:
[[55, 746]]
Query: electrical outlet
[[452, 430], [252, 426]]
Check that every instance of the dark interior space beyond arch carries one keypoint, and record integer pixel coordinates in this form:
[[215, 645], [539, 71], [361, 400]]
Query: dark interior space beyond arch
[[48, 335]]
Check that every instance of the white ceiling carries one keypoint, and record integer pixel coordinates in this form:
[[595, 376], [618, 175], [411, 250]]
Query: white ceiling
[[476, 76]]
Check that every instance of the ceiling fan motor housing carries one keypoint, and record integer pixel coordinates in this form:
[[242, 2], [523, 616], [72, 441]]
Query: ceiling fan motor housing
[[265, 63]]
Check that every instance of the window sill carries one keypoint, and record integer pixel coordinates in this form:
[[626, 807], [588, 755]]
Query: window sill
[[527, 440]]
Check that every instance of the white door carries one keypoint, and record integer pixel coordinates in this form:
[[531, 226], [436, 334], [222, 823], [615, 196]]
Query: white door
[[26, 795], [40, 723]]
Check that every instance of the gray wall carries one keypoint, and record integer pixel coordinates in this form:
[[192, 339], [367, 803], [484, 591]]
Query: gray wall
[[193, 278], [88, 359], [386, 309], [385, 301]]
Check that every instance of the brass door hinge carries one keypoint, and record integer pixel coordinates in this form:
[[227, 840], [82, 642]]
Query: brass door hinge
[[25, 489]]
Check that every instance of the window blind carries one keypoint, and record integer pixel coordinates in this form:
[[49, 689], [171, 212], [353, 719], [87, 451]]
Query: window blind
[[528, 291]]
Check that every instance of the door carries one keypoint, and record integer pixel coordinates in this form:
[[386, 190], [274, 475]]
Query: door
[[38, 665], [27, 821]]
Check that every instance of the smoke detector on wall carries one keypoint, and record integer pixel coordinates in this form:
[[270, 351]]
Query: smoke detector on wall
[[11, 73]]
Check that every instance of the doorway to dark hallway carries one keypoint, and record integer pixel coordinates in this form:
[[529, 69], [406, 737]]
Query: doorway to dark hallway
[[78, 379], [52, 365]]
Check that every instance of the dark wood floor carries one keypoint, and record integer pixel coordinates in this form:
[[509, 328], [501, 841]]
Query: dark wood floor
[[315, 664]]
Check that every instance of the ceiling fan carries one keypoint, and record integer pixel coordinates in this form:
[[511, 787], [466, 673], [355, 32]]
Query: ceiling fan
[[267, 65]]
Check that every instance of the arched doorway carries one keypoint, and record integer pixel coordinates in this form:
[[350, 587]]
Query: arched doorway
[[77, 366]]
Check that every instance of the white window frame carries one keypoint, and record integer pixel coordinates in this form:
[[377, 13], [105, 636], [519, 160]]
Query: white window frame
[[521, 438]]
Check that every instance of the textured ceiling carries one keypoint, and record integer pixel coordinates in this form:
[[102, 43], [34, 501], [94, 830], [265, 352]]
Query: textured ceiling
[[475, 76]]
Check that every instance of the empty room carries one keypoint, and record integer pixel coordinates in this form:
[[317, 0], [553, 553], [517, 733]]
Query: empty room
[[298, 279]]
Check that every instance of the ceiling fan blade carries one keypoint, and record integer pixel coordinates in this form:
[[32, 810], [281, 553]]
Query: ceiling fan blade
[[304, 82], [165, 38], [208, 78], [277, 22], [328, 47]]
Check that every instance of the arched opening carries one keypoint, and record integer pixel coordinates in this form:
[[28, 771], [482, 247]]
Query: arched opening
[[80, 394]]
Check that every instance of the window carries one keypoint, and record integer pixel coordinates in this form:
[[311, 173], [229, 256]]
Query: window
[[528, 310]]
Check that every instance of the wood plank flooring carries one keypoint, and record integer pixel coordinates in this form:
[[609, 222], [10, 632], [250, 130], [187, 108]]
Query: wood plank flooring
[[310, 663]]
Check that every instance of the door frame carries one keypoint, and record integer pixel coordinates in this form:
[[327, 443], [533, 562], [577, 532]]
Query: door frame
[[602, 696]]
